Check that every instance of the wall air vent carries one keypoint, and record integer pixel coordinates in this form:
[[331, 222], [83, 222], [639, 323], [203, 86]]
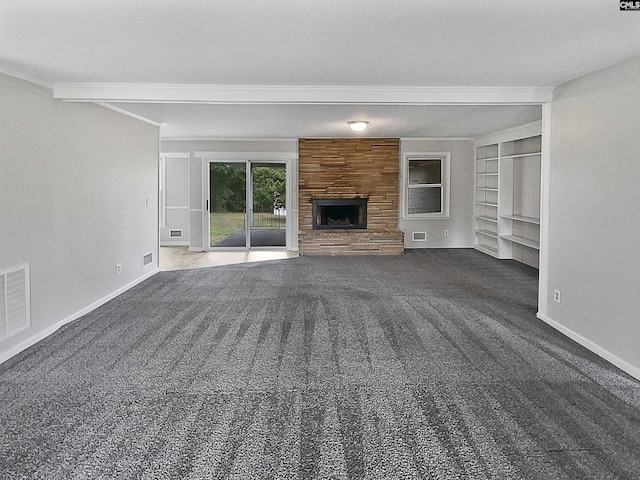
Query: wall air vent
[[147, 259], [15, 305], [419, 236], [175, 233]]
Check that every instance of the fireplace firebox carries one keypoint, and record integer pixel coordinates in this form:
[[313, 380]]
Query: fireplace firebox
[[340, 214]]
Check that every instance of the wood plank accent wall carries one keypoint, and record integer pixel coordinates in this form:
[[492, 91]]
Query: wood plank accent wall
[[347, 168]]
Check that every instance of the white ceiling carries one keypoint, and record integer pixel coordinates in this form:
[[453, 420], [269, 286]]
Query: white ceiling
[[303, 121], [357, 43]]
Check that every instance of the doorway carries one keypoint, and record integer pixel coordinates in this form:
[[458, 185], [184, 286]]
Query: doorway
[[247, 205]]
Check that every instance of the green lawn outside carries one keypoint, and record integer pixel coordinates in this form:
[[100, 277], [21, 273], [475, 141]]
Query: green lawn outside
[[223, 225]]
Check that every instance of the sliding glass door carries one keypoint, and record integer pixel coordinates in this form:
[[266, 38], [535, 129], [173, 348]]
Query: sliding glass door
[[247, 205], [268, 212], [227, 205]]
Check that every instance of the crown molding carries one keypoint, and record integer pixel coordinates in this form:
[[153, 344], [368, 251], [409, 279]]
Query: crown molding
[[299, 94], [128, 114], [526, 130], [26, 78], [436, 139], [228, 139]]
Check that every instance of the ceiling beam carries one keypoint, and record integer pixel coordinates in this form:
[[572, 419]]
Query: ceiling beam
[[299, 94]]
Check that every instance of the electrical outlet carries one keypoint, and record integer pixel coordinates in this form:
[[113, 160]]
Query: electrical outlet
[[118, 269], [556, 295], [446, 233]]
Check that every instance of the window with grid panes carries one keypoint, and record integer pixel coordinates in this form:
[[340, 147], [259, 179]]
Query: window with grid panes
[[426, 186]]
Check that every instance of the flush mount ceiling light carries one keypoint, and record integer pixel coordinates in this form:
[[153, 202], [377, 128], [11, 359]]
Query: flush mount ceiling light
[[358, 125]]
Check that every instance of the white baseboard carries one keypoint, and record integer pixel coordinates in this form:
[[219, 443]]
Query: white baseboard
[[48, 331], [595, 348]]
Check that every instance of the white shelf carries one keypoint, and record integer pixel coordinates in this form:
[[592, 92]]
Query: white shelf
[[487, 204], [493, 174], [487, 233], [520, 218], [520, 155], [487, 189], [486, 159], [522, 241], [523, 146], [488, 249], [487, 152], [487, 219]]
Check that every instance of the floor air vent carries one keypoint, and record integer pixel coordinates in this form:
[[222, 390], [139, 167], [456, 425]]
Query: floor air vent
[[175, 233], [147, 259], [15, 314]]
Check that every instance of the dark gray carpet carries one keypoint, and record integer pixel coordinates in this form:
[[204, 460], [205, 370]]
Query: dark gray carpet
[[427, 365]]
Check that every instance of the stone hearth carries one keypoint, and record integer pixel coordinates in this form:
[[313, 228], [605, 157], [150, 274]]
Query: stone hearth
[[346, 169]]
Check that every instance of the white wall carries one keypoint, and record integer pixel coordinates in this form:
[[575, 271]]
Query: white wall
[[176, 198], [74, 184], [196, 196], [594, 213], [460, 223]]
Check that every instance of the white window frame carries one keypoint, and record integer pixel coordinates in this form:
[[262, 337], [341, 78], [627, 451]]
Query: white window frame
[[445, 177]]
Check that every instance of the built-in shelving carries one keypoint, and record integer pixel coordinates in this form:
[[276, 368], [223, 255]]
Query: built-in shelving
[[507, 194], [520, 218], [522, 155], [522, 241], [487, 233], [487, 182], [489, 249]]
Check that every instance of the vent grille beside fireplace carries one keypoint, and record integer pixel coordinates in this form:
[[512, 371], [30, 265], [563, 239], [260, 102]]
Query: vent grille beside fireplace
[[340, 214]]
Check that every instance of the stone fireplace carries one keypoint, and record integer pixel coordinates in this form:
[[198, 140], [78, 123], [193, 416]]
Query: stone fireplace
[[348, 197]]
